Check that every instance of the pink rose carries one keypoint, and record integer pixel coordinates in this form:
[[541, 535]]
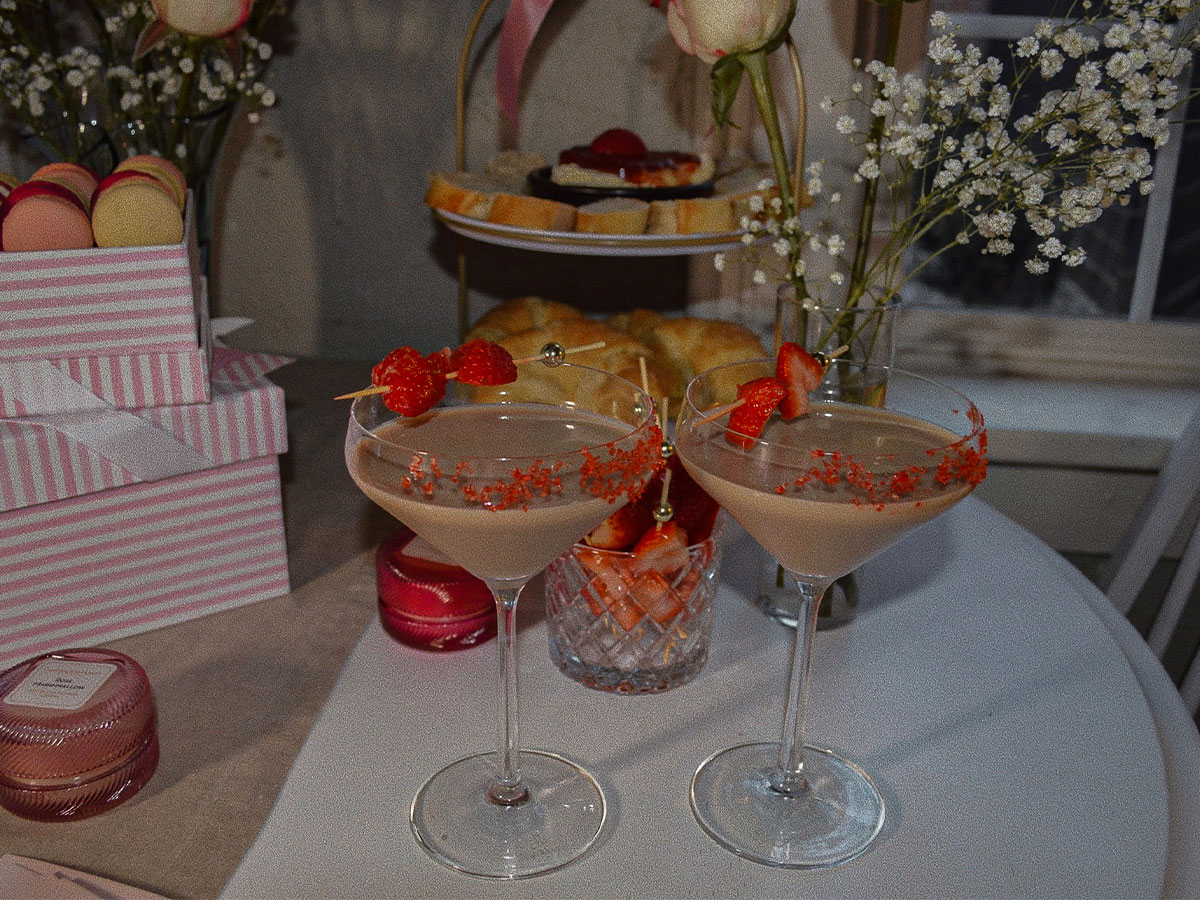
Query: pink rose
[[711, 29], [203, 18]]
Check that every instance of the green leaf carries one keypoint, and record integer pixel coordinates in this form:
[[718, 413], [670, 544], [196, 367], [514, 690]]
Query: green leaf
[[726, 79]]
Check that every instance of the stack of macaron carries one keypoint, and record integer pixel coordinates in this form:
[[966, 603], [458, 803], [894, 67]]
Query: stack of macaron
[[65, 206]]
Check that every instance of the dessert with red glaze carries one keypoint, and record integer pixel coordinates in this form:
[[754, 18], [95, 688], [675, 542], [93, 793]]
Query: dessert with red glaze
[[619, 158]]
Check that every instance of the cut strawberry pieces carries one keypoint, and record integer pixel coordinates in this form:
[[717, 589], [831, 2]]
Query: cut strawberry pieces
[[656, 597], [799, 372], [415, 383], [760, 398], [661, 549], [622, 529], [481, 362]]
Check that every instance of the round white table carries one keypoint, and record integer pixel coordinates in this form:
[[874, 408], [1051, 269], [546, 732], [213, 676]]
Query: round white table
[[1025, 740]]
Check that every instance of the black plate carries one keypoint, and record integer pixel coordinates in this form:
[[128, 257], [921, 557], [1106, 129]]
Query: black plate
[[540, 185]]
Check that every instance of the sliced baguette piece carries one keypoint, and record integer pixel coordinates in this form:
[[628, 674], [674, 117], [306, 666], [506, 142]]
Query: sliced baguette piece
[[463, 193], [532, 212], [695, 215], [661, 217], [703, 215], [613, 215], [741, 184]]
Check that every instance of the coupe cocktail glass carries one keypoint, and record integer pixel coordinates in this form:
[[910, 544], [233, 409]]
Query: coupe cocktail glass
[[502, 486], [823, 494]]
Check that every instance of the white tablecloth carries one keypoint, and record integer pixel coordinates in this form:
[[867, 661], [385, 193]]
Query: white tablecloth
[[1012, 740]]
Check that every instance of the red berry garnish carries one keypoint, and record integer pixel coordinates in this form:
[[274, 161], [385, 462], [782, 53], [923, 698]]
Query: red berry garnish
[[761, 396], [482, 362], [416, 383], [621, 530], [662, 549], [799, 372], [619, 142]]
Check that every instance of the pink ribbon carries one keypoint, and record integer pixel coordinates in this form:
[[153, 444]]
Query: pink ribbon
[[521, 24]]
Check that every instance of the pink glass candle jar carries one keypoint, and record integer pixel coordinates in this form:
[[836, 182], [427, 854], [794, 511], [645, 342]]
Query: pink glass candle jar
[[427, 601], [78, 734]]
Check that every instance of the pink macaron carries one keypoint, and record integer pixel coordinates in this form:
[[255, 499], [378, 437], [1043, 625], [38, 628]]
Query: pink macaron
[[77, 178], [42, 215]]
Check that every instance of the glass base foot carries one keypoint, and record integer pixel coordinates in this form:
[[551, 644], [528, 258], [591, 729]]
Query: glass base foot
[[455, 822], [830, 822]]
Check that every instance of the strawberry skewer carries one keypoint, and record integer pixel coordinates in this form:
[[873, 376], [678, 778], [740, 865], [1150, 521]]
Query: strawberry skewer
[[547, 354], [788, 390]]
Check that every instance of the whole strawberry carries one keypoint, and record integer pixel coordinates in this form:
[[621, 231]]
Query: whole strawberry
[[481, 362], [416, 383]]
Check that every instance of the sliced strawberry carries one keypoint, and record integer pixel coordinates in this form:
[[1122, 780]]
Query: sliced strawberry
[[416, 382], [654, 594], [663, 550], [619, 142], [483, 363], [761, 396], [623, 528], [800, 373], [617, 601]]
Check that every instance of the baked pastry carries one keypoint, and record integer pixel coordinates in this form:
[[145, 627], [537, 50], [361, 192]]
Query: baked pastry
[[613, 215], [619, 158], [690, 345], [520, 314], [696, 215], [531, 212], [462, 193], [743, 182]]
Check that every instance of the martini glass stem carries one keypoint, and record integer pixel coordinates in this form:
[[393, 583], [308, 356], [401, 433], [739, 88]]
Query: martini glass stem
[[508, 790], [789, 776]]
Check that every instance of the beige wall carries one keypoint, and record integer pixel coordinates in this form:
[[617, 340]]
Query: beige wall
[[324, 240], [322, 236]]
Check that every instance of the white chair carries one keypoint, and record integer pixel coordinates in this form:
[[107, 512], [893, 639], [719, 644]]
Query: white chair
[[1142, 545]]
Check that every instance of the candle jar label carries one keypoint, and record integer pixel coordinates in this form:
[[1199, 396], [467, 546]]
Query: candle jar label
[[60, 684]]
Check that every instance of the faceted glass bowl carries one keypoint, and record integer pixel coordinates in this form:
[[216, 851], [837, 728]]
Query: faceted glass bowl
[[615, 628]]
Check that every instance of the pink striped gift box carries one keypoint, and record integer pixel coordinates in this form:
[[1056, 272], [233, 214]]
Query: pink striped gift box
[[106, 327], [93, 568], [114, 522], [50, 458]]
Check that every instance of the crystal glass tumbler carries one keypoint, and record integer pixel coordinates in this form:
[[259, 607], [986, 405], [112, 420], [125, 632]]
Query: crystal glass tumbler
[[616, 626]]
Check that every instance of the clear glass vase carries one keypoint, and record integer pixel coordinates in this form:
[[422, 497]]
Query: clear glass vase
[[194, 143], [868, 331]]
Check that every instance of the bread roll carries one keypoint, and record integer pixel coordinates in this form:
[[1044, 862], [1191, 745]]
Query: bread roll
[[520, 314], [696, 215], [613, 215], [462, 193], [532, 212], [690, 345]]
